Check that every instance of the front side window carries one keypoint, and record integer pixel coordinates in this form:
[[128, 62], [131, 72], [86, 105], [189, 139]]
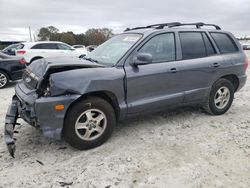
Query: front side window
[[111, 51], [161, 47], [224, 42], [63, 47], [192, 45]]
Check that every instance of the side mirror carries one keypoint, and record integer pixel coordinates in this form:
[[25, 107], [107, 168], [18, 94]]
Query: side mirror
[[142, 59], [91, 49]]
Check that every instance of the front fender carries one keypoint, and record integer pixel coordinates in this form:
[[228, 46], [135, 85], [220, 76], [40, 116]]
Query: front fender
[[89, 80]]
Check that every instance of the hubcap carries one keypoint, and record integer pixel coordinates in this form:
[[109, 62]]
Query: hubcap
[[222, 97], [90, 124], [3, 80]]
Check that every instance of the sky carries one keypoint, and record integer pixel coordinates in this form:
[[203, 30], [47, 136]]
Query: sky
[[79, 15]]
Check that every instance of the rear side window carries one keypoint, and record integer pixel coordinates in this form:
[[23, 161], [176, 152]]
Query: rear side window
[[224, 42], [45, 46], [161, 47], [192, 45]]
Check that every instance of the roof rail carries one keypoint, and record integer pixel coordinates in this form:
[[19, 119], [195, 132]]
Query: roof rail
[[156, 26], [198, 25], [174, 24]]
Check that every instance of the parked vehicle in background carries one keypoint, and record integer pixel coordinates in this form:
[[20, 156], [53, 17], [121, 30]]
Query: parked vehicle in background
[[32, 51], [143, 70], [246, 46], [11, 69], [78, 46], [91, 48], [11, 49], [81, 48]]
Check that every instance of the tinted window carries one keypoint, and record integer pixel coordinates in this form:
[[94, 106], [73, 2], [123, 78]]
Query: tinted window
[[161, 47], [63, 47], [192, 45], [209, 47], [224, 43], [45, 46]]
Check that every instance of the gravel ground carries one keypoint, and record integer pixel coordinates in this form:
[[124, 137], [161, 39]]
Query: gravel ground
[[183, 148]]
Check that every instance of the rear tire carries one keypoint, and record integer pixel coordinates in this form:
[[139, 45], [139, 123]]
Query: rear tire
[[89, 123], [4, 79], [220, 98]]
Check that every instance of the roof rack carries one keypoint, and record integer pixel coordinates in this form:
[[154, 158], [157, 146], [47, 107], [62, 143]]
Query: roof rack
[[198, 25], [155, 26], [174, 24]]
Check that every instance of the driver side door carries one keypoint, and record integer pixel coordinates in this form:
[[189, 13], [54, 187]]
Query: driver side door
[[154, 86]]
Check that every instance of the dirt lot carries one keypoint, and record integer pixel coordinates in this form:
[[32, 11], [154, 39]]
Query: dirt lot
[[184, 148]]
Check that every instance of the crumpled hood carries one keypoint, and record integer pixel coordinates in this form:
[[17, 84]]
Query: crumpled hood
[[41, 66]]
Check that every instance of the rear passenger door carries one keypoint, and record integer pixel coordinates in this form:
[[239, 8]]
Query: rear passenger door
[[45, 50], [198, 62]]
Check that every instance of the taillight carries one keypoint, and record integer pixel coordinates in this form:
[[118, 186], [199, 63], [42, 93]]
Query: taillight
[[246, 63], [22, 61], [21, 52]]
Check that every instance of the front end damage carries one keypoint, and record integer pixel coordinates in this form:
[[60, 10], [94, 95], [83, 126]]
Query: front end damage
[[35, 105]]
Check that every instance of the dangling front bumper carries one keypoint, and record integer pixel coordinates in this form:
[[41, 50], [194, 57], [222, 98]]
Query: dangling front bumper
[[10, 122], [38, 112]]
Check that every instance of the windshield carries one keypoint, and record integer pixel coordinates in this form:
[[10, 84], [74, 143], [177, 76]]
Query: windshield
[[112, 50]]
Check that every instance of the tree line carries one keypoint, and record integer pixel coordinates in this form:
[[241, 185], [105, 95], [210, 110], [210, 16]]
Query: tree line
[[90, 37]]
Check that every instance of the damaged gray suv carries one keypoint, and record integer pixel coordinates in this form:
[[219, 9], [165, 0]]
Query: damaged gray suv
[[143, 70]]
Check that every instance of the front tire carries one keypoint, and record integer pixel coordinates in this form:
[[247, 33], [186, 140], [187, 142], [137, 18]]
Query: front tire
[[220, 98], [89, 123], [4, 79]]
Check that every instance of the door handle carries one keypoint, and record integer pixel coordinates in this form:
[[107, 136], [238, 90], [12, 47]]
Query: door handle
[[216, 65], [173, 70]]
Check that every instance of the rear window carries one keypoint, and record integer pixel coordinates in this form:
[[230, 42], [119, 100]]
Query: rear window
[[224, 42], [192, 45]]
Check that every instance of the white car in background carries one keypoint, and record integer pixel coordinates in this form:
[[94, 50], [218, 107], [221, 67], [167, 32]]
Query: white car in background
[[31, 51], [80, 48]]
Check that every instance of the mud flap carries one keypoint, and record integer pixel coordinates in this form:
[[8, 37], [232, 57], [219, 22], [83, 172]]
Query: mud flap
[[10, 122]]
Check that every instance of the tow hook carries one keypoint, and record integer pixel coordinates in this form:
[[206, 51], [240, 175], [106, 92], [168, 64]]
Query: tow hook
[[10, 122]]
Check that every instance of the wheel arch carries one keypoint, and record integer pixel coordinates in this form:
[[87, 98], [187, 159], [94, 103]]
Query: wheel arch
[[8, 73], [35, 58], [106, 95], [233, 79]]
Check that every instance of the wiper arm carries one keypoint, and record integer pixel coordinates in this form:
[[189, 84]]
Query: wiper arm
[[90, 59]]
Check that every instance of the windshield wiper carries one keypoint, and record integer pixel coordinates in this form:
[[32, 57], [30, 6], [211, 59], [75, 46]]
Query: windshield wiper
[[90, 59]]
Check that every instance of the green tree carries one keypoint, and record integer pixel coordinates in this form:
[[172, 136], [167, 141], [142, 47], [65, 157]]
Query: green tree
[[91, 36], [98, 36], [43, 34], [47, 33], [81, 39], [68, 37]]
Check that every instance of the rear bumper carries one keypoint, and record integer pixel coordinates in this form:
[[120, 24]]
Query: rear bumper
[[41, 113], [242, 81]]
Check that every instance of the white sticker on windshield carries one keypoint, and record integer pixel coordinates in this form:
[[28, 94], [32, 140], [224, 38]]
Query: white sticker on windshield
[[131, 38]]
